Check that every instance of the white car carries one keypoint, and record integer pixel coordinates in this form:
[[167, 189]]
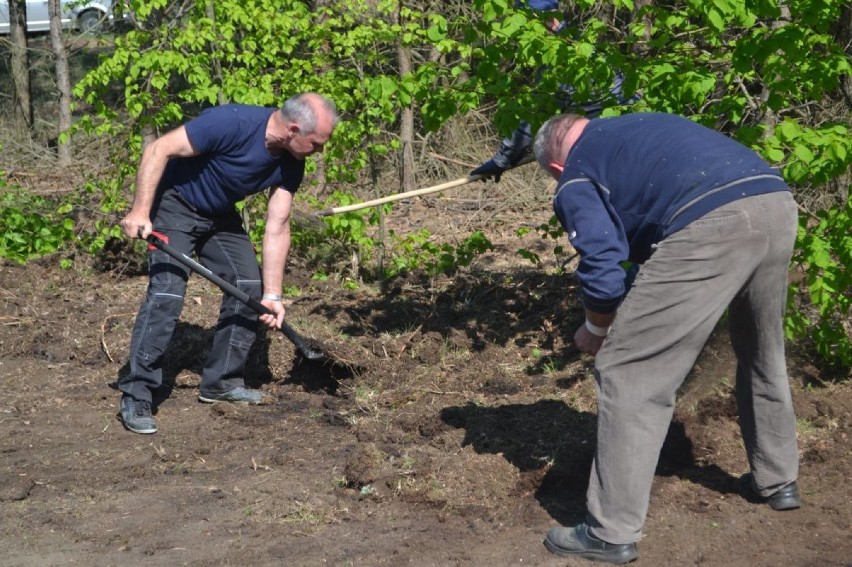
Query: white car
[[83, 16]]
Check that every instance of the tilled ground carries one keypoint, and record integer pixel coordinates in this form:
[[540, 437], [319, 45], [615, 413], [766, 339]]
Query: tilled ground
[[454, 427]]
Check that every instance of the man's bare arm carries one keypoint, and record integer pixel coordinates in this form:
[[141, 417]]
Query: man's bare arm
[[276, 248], [154, 158]]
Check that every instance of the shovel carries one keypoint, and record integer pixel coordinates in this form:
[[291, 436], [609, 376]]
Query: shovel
[[405, 195], [158, 241]]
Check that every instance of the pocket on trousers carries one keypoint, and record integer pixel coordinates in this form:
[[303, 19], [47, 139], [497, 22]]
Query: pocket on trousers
[[719, 218]]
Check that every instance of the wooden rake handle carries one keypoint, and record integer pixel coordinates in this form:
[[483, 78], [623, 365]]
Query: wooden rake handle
[[407, 194]]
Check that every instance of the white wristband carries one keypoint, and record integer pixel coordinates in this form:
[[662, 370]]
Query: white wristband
[[596, 330], [272, 296]]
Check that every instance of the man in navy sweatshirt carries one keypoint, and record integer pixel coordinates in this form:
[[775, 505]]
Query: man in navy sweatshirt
[[712, 226], [187, 184]]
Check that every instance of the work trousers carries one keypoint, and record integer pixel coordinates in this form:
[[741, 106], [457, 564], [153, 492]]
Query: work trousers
[[736, 258], [223, 247]]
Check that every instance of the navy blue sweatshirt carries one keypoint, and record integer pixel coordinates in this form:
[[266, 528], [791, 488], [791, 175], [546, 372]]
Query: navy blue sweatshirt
[[630, 181]]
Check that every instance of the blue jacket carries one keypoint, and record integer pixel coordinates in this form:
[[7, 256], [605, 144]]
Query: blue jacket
[[233, 160], [630, 181]]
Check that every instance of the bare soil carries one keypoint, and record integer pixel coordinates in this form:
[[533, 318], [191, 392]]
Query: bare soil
[[454, 425]]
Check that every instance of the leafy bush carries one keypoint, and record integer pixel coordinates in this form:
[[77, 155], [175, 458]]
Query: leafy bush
[[417, 251], [30, 225], [824, 251], [352, 238], [550, 230]]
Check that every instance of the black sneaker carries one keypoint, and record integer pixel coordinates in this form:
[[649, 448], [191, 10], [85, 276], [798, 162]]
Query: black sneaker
[[238, 395], [136, 415], [785, 498], [578, 542]]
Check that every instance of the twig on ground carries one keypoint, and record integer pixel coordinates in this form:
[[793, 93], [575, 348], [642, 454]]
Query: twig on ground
[[21, 299], [439, 392], [451, 160], [13, 321], [103, 333], [415, 332]]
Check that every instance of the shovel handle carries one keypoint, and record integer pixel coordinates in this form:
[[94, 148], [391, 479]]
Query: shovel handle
[[158, 241]]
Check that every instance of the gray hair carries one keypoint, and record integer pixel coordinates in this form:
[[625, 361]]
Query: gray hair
[[548, 139], [301, 109]]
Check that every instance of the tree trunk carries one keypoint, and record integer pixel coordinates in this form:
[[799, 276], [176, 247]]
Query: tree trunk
[[210, 11], [406, 126], [320, 173], [844, 36], [770, 118], [646, 20], [63, 81], [20, 62]]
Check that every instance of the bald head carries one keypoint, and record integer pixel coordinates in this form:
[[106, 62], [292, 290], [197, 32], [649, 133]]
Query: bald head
[[555, 139]]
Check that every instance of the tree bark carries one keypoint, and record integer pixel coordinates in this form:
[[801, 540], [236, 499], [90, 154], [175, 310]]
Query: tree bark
[[20, 62], [770, 118], [63, 80], [844, 36], [317, 7], [210, 11], [406, 120]]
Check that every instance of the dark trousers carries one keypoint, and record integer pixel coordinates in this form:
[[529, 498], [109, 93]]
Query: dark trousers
[[222, 245]]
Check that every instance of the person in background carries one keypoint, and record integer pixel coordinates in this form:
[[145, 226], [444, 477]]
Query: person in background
[[513, 149], [712, 226], [187, 184]]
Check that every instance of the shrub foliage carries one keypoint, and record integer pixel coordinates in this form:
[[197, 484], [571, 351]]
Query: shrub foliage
[[768, 72]]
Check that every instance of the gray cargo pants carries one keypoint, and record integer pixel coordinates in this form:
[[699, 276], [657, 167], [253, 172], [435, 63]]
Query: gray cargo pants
[[734, 258]]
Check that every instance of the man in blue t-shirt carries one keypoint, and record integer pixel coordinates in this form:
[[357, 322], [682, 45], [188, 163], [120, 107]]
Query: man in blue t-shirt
[[186, 187], [712, 226]]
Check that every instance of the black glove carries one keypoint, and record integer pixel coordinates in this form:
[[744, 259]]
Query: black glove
[[511, 152], [488, 169]]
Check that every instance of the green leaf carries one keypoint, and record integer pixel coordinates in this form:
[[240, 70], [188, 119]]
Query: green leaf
[[803, 153], [716, 20], [774, 155], [789, 130]]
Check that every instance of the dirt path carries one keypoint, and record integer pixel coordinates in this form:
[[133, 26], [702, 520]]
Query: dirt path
[[458, 429]]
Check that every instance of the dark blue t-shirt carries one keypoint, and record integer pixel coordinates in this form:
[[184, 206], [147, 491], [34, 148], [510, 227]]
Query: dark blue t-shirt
[[630, 181], [232, 162]]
